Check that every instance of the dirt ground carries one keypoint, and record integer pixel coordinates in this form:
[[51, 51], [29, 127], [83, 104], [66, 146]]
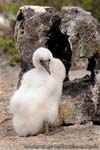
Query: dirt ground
[[76, 137]]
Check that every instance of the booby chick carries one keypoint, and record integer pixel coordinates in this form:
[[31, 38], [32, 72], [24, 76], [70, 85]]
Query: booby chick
[[37, 100]]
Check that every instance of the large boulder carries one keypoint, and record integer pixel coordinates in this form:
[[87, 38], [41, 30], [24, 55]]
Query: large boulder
[[34, 23], [81, 36]]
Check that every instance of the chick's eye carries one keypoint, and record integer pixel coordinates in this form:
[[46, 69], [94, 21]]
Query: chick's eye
[[49, 60], [41, 61]]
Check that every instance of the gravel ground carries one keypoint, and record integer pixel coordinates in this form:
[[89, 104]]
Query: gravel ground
[[73, 137], [76, 137]]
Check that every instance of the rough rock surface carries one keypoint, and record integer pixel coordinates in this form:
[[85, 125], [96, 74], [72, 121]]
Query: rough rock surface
[[33, 24], [83, 29], [30, 31]]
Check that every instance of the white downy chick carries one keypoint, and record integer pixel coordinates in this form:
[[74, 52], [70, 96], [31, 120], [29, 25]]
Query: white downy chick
[[37, 99]]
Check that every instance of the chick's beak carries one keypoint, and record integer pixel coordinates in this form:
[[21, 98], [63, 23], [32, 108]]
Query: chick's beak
[[45, 64]]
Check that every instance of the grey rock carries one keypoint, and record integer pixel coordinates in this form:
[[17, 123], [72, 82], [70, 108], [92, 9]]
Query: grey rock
[[78, 97], [30, 32], [83, 29], [33, 24]]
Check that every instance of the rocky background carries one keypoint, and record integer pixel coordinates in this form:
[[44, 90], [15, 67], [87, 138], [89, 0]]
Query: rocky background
[[31, 31], [79, 114], [9, 9]]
